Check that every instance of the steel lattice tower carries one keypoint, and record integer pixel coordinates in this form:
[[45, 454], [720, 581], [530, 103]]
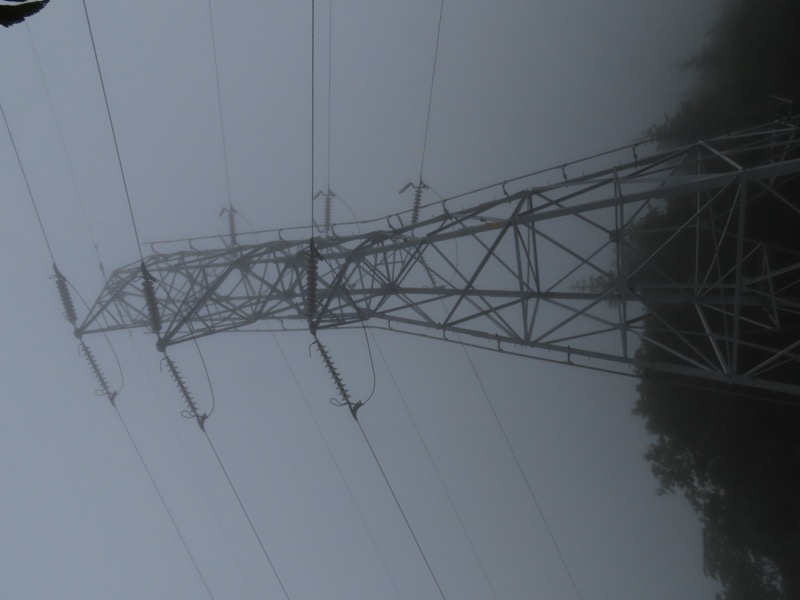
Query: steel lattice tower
[[683, 261]]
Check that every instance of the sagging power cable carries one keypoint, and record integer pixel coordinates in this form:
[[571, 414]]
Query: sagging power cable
[[402, 512], [113, 132], [335, 462], [524, 477], [419, 187], [193, 412], [75, 185]]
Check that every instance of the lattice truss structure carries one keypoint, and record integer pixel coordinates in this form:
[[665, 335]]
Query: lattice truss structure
[[683, 261]]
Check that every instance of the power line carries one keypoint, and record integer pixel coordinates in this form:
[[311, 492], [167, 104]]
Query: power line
[[162, 404], [164, 503], [311, 195], [66, 151], [247, 516], [113, 131], [330, 77], [430, 96], [335, 462], [219, 106], [433, 464], [524, 477], [133, 442], [201, 419], [402, 512], [27, 185]]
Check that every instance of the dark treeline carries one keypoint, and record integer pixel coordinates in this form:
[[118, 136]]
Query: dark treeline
[[733, 452], [746, 70]]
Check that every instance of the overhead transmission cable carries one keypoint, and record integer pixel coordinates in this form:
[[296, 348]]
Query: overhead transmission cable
[[113, 132], [247, 515], [193, 412], [524, 477], [430, 95], [164, 503], [153, 308], [417, 202], [420, 186], [402, 512], [313, 44], [328, 194], [71, 316], [335, 462], [95, 245], [311, 307], [28, 186], [330, 77], [185, 452], [219, 104], [229, 209], [433, 464]]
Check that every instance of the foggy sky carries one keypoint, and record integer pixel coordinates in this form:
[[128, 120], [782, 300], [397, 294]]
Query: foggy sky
[[518, 86]]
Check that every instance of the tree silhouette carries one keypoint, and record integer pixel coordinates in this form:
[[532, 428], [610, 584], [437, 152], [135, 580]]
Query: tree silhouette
[[735, 455]]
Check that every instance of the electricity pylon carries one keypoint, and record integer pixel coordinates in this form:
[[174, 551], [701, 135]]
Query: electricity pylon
[[680, 261]]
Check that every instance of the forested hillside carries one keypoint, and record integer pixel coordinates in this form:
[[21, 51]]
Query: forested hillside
[[747, 71], [733, 452]]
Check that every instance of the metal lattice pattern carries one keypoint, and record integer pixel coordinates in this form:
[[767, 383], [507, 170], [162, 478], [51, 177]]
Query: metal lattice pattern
[[682, 261]]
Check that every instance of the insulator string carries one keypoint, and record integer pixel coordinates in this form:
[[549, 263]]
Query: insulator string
[[105, 389], [417, 203], [328, 197], [312, 276], [192, 412], [105, 335], [418, 187], [148, 287], [232, 225], [232, 212], [66, 297], [344, 399], [339, 282]]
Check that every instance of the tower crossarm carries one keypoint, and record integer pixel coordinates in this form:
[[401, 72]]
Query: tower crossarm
[[682, 261]]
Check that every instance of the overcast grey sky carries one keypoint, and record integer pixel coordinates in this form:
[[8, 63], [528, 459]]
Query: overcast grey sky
[[519, 85]]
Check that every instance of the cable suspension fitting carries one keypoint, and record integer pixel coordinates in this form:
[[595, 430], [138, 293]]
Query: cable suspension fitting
[[105, 389], [417, 199], [148, 287], [329, 196], [337, 380], [231, 222], [191, 412]]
